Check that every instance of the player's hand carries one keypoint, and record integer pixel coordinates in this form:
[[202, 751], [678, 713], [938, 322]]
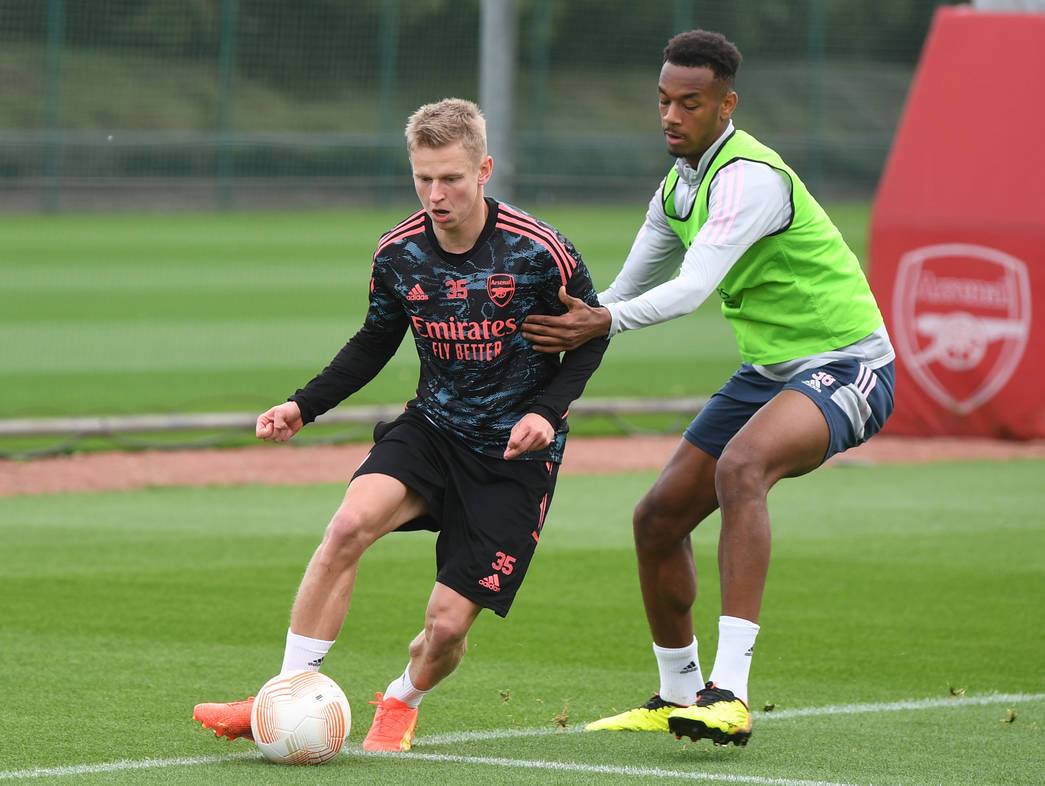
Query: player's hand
[[579, 324], [280, 423], [532, 432]]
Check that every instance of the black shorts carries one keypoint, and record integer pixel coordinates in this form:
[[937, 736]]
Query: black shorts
[[488, 511]]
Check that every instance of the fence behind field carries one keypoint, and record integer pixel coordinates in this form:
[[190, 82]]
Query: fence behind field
[[240, 103]]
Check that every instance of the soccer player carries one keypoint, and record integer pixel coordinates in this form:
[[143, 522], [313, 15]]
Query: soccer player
[[817, 376], [476, 454]]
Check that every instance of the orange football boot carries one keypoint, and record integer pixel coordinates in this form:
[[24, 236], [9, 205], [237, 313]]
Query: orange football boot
[[393, 726], [229, 720]]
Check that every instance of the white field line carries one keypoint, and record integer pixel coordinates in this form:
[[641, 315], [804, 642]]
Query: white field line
[[602, 769], [564, 766], [495, 734], [760, 717], [121, 766]]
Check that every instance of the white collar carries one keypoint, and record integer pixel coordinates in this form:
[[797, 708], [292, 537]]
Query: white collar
[[691, 176]]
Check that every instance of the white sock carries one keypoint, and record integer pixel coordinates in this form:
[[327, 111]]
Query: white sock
[[304, 653], [680, 677], [736, 643], [403, 689]]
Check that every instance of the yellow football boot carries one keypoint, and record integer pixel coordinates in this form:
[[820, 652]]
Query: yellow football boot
[[718, 715], [651, 716]]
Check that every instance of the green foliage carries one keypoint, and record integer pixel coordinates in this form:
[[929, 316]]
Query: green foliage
[[320, 89], [889, 28]]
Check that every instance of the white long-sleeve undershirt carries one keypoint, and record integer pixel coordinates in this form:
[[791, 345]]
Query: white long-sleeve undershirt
[[747, 201]]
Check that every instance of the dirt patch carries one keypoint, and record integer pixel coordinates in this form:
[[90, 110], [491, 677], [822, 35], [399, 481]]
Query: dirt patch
[[289, 465]]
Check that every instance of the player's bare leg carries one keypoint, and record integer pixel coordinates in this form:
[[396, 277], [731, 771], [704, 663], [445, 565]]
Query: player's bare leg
[[439, 648], [434, 653], [682, 497], [787, 437], [373, 506]]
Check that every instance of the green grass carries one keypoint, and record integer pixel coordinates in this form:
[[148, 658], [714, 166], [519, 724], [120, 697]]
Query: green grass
[[121, 611], [124, 314]]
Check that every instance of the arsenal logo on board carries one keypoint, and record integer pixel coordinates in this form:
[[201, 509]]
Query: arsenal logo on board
[[962, 315], [500, 287]]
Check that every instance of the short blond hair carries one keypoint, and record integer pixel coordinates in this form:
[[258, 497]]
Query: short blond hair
[[446, 122]]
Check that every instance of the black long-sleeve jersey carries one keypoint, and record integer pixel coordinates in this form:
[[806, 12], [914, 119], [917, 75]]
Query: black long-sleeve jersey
[[478, 374]]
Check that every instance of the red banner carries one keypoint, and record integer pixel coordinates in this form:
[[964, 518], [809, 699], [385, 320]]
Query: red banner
[[958, 232]]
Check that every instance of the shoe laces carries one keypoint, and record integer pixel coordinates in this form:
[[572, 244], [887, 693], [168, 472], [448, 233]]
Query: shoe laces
[[389, 714], [656, 703], [711, 693]]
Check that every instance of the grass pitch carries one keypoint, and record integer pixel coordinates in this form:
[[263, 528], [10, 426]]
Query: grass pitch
[[888, 585], [126, 314]]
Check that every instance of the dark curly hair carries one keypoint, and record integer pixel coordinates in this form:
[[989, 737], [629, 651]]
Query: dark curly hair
[[696, 48]]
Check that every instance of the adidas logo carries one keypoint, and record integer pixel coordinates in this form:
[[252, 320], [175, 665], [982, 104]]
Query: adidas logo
[[750, 651], [491, 583], [820, 377], [316, 663], [689, 668], [416, 293]]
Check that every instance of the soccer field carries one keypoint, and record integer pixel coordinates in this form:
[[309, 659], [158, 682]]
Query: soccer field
[[892, 589], [127, 314]]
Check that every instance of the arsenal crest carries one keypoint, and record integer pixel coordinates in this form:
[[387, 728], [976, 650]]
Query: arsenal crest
[[500, 287], [962, 315]]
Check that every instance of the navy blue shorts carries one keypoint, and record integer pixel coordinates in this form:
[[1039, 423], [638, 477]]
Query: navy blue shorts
[[854, 399]]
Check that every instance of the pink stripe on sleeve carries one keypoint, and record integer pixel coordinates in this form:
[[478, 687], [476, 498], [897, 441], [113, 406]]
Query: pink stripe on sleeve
[[732, 204]]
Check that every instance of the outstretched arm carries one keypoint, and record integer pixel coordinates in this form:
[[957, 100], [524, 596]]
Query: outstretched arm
[[577, 326], [655, 256], [748, 201], [360, 360], [575, 297]]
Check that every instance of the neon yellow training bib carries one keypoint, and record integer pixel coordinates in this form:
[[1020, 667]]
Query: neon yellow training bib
[[797, 292]]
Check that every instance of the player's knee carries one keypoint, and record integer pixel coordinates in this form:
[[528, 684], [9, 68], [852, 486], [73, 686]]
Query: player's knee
[[655, 528], [740, 474], [445, 634], [348, 534]]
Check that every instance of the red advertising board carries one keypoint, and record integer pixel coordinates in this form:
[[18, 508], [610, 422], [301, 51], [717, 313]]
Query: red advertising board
[[958, 232]]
